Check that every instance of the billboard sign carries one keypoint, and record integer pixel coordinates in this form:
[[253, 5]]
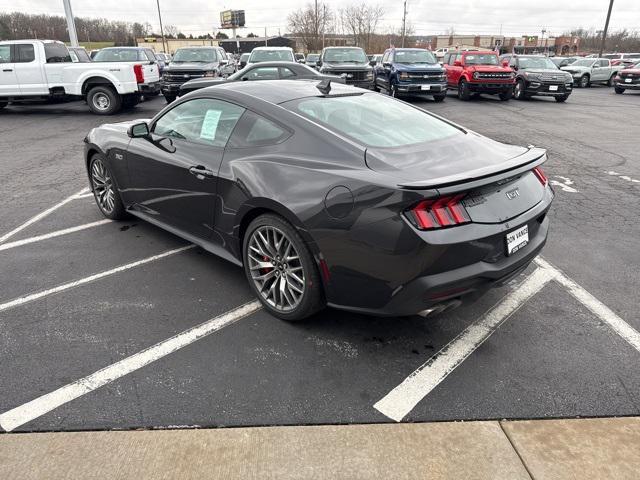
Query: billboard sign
[[232, 19]]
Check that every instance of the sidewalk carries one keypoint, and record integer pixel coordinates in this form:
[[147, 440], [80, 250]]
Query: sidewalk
[[542, 449]]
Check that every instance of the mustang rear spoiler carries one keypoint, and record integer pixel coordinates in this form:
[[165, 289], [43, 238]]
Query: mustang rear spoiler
[[514, 166]]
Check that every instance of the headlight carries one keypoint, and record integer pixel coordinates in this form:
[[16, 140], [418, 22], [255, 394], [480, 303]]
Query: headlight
[[476, 75], [443, 76], [533, 76], [404, 76], [210, 73], [512, 74], [369, 75]]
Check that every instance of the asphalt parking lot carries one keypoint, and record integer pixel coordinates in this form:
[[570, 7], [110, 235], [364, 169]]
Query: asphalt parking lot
[[97, 317]]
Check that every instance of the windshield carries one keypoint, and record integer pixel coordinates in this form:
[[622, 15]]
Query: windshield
[[244, 57], [414, 56], [611, 56], [585, 62], [313, 57], [344, 55], [195, 55], [535, 62], [271, 56], [481, 59], [374, 120], [120, 55]]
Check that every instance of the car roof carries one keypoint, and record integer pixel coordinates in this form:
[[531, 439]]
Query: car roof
[[275, 63], [280, 91], [272, 48]]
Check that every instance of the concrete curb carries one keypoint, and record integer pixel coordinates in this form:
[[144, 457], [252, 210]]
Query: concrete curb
[[547, 449]]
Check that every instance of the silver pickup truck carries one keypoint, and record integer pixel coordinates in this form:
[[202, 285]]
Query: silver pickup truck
[[586, 71], [36, 70]]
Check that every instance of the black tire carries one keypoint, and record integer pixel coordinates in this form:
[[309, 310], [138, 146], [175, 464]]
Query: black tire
[[506, 95], [375, 85], [439, 98], [463, 90], [519, 91], [117, 210], [619, 90], [3, 104], [391, 91], [562, 99], [169, 98], [584, 82], [104, 100], [130, 101], [610, 81], [312, 299]]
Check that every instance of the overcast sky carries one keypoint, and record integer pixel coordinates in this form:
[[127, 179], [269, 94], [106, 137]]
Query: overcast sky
[[514, 17]]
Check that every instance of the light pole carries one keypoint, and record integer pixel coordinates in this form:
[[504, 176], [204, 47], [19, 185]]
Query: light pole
[[71, 25], [164, 47], [606, 27], [404, 21]]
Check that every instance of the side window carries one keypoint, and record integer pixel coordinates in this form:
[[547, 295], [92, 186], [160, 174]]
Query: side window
[[262, 73], [445, 60], [150, 55], [604, 63], [286, 73], [385, 57], [56, 53], [5, 53], [256, 131], [513, 62], [24, 53], [202, 120], [74, 57]]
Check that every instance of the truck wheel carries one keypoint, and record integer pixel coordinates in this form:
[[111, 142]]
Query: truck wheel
[[619, 91], [130, 101], [562, 99], [439, 98], [3, 104], [610, 81], [392, 92], [463, 90], [585, 81], [103, 100], [169, 98], [506, 95], [375, 85]]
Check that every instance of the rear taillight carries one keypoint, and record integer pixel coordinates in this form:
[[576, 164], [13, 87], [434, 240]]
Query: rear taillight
[[537, 171], [137, 69], [441, 212]]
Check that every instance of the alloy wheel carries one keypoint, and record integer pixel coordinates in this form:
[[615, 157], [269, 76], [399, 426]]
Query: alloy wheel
[[102, 186], [276, 268]]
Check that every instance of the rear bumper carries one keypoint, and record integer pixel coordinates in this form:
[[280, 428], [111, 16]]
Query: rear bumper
[[152, 87], [171, 88], [457, 265]]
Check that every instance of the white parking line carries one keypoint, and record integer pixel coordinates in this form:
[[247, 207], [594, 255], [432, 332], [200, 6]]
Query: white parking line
[[57, 233], [41, 405], [604, 313], [402, 399], [41, 215], [35, 296]]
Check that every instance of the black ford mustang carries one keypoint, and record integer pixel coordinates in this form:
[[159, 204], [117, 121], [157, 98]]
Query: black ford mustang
[[328, 194]]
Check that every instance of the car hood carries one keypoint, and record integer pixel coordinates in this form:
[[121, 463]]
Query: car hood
[[423, 67], [204, 82], [455, 159], [571, 68], [191, 66], [635, 71], [346, 66], [489, 68], [552, 71]]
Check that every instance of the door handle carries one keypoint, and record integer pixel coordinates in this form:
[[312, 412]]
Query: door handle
[[7, 69], [200, 171]]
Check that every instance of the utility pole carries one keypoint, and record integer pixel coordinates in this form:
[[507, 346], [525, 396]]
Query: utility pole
[[606, 27], [164, 46], [265, 36], [71, 25], [316, 26], [404, 21]]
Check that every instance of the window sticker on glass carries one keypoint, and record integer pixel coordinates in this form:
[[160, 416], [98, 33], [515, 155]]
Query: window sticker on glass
[[210, 124]]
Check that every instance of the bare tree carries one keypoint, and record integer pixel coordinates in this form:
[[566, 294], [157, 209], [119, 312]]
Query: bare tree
[[361, 21], [311, 23]]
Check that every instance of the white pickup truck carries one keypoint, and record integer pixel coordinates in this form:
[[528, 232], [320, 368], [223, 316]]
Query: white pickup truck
[[35, 70]]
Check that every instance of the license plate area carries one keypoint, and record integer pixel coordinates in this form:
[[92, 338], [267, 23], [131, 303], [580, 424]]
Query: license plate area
[[553, 88], [517, 239], [627, 80], [425, 87]]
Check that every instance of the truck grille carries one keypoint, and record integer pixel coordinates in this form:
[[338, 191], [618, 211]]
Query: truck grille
[[175, 76], [630, 75], [351, 76], [494, 75], [553, 77], [425, 77]]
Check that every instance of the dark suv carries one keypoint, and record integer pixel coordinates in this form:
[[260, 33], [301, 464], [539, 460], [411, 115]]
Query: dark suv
[[351, 63], [536, 75], [412, 71]]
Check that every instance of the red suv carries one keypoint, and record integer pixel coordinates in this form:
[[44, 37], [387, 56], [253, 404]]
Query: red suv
[[629, 78], [472, 72]]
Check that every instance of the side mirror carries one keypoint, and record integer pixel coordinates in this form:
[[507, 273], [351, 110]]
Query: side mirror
[[505, 63], [138, 130], [386, 65], [223, 62], [319, 63], [165, 143], [515, 67], [372, 63], [457, 63]]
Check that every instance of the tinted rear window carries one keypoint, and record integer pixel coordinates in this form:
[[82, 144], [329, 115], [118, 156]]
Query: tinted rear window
[[120, 55], [56, 53], [374, 120]]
